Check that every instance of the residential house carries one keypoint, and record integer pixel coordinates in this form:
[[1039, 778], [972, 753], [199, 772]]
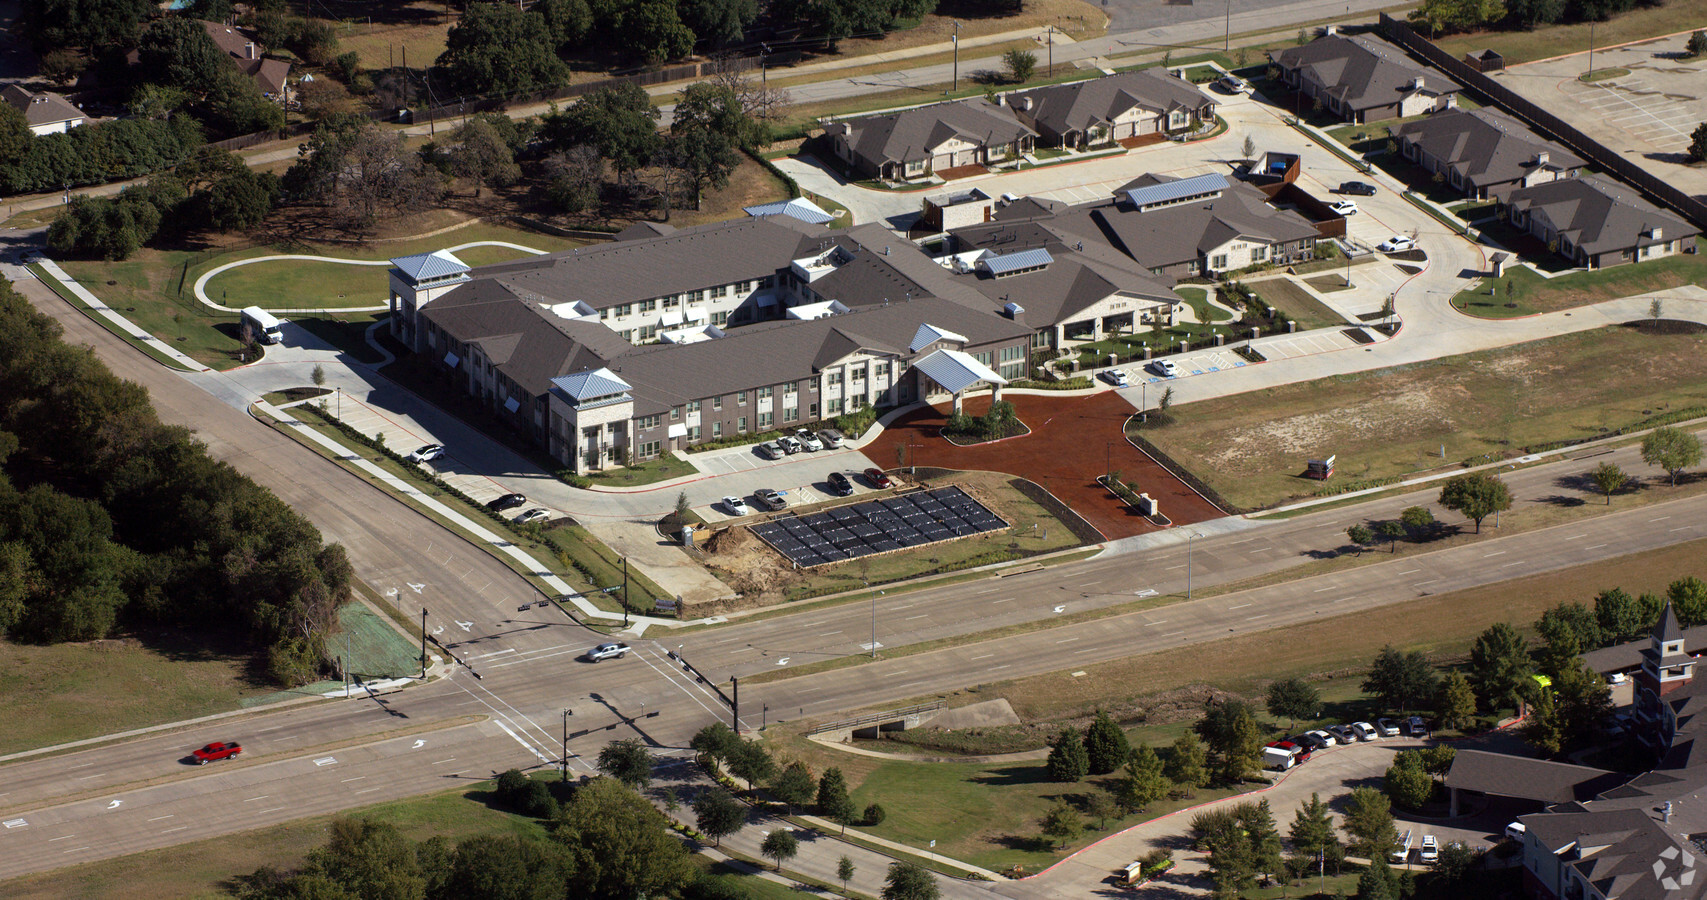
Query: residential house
[[44, 112], [1595, 222], [268, 74], [1113, 108], [1363, 78], [1484, 153], [914, 143]]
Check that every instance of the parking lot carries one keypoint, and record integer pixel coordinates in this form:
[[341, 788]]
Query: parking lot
[[1648, 113], [800, 478]]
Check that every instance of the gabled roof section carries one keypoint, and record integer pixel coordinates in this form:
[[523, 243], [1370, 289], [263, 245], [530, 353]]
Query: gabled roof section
[[1485, 146], [597, 384], [1533, 779], [437, 264], [797, 208], [929, 334], [911, 133], [1362, 70], [1000, 264], [1600, 215], [43, 108], [1081, 105], [956, 371]]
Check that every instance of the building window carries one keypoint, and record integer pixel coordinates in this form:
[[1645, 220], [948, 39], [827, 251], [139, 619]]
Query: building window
[[648, 450], [721, 290], [647, 306], [627, 335], [693, 406], [675, 413], [789, 389], [672, 301], [790, 413], [716, 403], [835, 378], [741, 425], [835, 407], [717, 429], [1258, 254], [882, 370], [1219, 261], [814, 412], [720, 317], [648, 332], [764, 393], [765, 420], [648, 422], [695, 296], [693, 433], [856, 402], [859, 375]]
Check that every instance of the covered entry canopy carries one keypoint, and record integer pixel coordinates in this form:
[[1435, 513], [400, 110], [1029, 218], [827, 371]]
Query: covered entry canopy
[[955, 371]]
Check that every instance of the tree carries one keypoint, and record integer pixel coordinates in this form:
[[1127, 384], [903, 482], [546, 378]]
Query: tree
[[1583, 701], [1567, 630], [1608, 479], [1671, 449], [1688, 598], [1106, 748], [718, 815], [574, 177], [715, 742], [620, 121], [1062, 823], [795, 786], [833, 801], [238, 202], [845, 872], [718, 22], [1377, 881], [628, 761], [1400, 679], [1360, 535], [618, 845], [749, 761], [50, 24], [1697, 45], [1407, 785], [1021, 65], [368, 858], [650, 30], [1369, 824], [1455, 702], [1417, 518], [910, 881], [1530, 13], [567, 21], [1313, 833], [716, 106], [1167, 401], [1257, 819], [1454, 863], [500, 867], [1142, 783], [1293, 698], [1697, 151], [873, 815], [1232, 864], [1542, 727], [480, 154], [498, 48], [699, 159], [780, 845], [1187, 764], [1102, 807], [1618, 616], [1475, 496], [1250, 148], [1067, 760], [1499, 666], [1229, 728], [1392, 530], [1458, 15]]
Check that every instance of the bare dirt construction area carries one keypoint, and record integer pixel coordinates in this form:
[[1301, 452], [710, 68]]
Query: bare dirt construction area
[[1647, 114], [1253, 447], [1073, 441]]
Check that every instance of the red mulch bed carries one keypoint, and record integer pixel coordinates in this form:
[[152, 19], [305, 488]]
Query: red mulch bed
[[961, 172], [1072, 440], [1143, 140]]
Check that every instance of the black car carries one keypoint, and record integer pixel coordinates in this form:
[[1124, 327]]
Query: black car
[[508, 501], [1357, 187], [840, 484], [1309, 740]]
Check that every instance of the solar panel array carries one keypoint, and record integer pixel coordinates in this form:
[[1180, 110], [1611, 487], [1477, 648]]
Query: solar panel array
[[878, 526]]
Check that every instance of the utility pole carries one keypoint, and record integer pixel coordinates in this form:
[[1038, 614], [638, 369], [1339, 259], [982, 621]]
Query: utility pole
[[566, 715], [1590, 47], [625, 592], [423, 642], [1227, 35], [764, 80], [1052, 50], [955, 86]]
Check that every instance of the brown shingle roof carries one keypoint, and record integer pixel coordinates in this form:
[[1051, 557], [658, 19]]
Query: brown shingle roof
[[1364, 71], [909, 133], [1600, 215], [1485, 146], [44, 108], [1080, 105]]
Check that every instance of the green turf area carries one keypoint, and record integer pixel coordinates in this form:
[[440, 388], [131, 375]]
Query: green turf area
[[1522, 292], [1198, 299], [1296, 303], [1556, 40], [651, 471], [1252, 447]]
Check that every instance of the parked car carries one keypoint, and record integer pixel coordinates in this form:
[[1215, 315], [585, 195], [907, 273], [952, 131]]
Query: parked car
[[508, 501], [1233, 84], [1164, 368], [770, 500], [1312, 740], [1326, 738], [736, 506], [1398, 243], [1343, 734], [1343, 207], [607, 651], [1116, 377], [840, 485], [878, 479], [1516, 832], [427, 453], [537, 514], [1365, 731], [1418, 727], [1362, 188], [771, 450], [1430, 850], [216, 751], [1401, 852], [831, 438], [1387, 727], [809, 439], [789, 445]]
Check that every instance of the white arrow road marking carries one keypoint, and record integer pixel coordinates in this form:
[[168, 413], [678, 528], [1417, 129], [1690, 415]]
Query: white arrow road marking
[[115, 804], [464, 625], [782, 662], [15, 823], [416, 587], [326, 761], [391, 593], [418, 745], [439, 630]]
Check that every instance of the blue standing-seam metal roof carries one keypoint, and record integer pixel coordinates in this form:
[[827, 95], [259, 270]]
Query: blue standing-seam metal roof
[[437, 264], [591, 385], [929, 334], [1177, 190], [956, 371], [798, 208], [1003, 263]]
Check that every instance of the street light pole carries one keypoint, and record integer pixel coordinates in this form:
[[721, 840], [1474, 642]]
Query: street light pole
[[1188, 538], [955, 86], [625, 592], [566, 715], [873, 622], [1590, 48], [1227, 35]]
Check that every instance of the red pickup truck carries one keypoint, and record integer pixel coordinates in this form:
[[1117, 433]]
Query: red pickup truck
[[217, 750]]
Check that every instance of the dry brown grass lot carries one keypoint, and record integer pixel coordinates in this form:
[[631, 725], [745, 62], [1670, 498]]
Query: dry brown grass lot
[[1558, 40], [1285, 295], [1386, 422]]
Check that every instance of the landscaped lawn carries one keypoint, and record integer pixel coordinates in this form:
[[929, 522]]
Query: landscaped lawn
[[652, 471], [1296, 303], [1252, 447], [1198, 299], [1522, 292]]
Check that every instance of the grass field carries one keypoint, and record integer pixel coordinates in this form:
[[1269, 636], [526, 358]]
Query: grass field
[[1296, 303], [1251, 447], [651, 471], [1558, 40], [1522, 292]]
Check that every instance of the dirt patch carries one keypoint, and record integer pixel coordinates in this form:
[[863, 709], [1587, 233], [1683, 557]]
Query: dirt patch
[[1667, 326]]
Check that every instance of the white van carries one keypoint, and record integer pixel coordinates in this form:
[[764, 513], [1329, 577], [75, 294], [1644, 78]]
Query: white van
[[265, 325], [1402, 851]]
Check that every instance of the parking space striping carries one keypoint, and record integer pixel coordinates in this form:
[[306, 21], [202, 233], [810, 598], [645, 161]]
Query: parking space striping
[[1615, 94]]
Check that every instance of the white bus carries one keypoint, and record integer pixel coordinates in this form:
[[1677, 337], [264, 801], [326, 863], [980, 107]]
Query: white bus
[[266, 326]]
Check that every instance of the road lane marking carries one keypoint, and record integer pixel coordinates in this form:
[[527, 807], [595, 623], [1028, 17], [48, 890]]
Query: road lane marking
[[1154, 624], [1576, 536], [65, 838], [920, 616], [253, 799], [158, 818], [1066, 640], [1173, 633], [1495, 553], [1087, 650], [1261, 549], [985, 656], [1408, 572], [1660, 519], [745, 649], [1089, 583], [1254, 618], [1320, 590], [896, 672], [1180, 566], [1595, 547], [911, 683], [990, 591], [1510, 564], [996, 668], [348, 780], [326, 761], [1681, 528], [87, 777], [76, 849], [368, 790], [493, 653], [1240, 606], [179, 828], [264, 811], [443, 761], [80, 766], [1421, 583], [1009, 600], [828, 633], [903, 606]]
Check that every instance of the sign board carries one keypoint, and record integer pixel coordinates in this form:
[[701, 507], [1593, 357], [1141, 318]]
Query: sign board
[[662, 605]]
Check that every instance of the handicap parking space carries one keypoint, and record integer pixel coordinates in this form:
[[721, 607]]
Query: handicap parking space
[[1200, 363]]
